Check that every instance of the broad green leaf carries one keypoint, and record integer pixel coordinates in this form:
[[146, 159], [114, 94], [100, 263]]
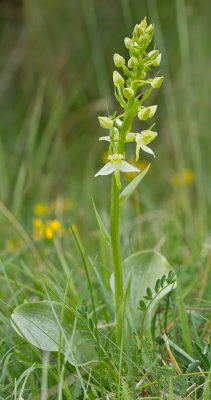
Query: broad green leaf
[[39, 324], [132, 186], [102, 227], [144, 268]]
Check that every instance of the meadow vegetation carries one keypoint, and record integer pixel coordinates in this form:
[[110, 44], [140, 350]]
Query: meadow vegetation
[[69, 336]]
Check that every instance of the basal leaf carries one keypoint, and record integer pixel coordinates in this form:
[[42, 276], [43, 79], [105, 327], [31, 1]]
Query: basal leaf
[[144, 268], [39, 324]]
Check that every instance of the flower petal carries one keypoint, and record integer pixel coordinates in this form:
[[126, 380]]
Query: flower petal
[[126, 167], [106, 138], [119, 121], [106, 170], [131, 136], [147, 149], [138, 145]]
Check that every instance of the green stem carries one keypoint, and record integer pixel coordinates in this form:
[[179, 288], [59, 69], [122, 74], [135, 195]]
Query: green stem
[[115, 243]]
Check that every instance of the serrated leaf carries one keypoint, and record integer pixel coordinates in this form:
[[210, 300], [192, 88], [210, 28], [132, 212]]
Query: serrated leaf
[[132, 186], [144, 268], [103, 229], [38, 323]]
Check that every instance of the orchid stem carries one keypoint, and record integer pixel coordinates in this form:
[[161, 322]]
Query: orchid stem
[[115, 243]]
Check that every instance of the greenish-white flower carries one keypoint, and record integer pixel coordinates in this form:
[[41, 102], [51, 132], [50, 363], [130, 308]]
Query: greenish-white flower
[[118, 79], [157, 61], [142, 139], [115, 165], [157, 82], [119, 61], [116, 132], [146, 112], [105, 122], [128, 93]]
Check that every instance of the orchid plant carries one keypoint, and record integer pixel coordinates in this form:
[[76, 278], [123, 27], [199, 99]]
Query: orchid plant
[[131, 89], [62, 327]]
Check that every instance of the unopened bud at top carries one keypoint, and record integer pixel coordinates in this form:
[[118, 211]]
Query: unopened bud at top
[[128, 93], [150, 29], [136, 31], [118, 79], [105, 122], [132, 62], [127, 41], [119, 61], [157, 82], [146, 112], [143, 24]]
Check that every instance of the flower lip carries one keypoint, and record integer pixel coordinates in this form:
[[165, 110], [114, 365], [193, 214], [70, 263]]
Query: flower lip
[[115, 158]]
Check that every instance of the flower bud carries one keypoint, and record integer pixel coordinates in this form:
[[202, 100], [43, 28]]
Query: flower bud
[[136, 31], [128, 93], [157, 82], [118, 79], [143, 24], [146, 112], [148, 136], [105, 122], [157, 61], [150, 29], [127, 41], [143, 75], [153, 54], [132, 62], [119, 61]]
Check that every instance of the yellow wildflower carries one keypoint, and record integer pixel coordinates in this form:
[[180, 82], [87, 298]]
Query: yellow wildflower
[[48, 233], [141, 165], [37, 223], [183, 178], [104, 157], [40, 209], [55, 225], [188, 176]]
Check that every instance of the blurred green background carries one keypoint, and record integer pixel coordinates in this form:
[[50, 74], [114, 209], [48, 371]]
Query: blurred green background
[[55, 79]]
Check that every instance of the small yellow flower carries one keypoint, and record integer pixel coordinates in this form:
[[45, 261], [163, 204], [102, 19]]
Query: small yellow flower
[[183, 178], [37, 223], [188, 176], [141, 165], [104, 157], [40, 209], [48, 233], [55, 225]]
